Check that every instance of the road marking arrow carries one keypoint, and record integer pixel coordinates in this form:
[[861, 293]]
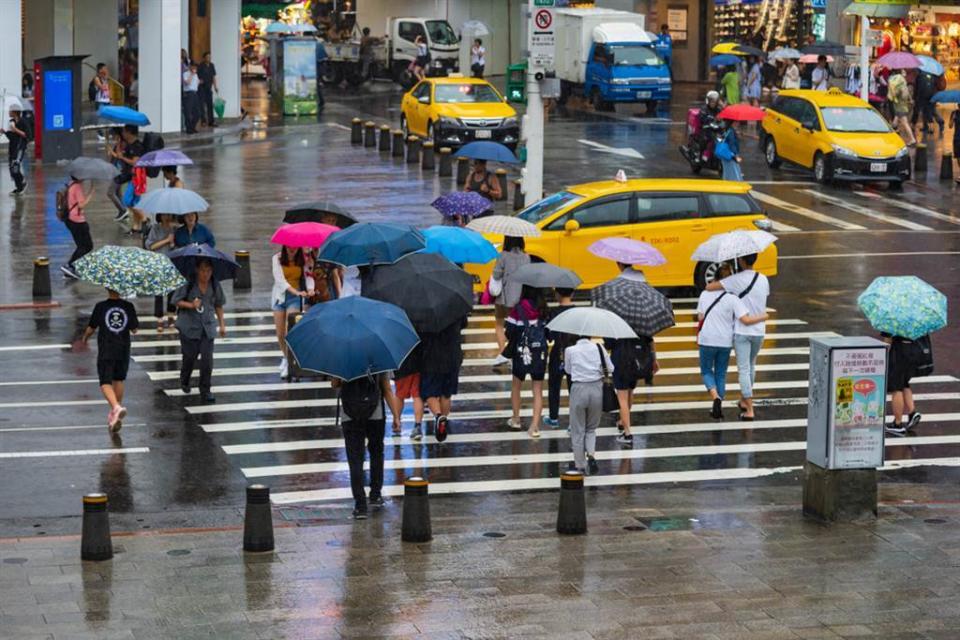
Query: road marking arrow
[[620, 151]]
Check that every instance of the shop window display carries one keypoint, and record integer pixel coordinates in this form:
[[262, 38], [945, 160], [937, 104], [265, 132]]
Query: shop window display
[[763, 23]]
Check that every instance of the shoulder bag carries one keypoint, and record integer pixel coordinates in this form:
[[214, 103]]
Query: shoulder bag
[[709, 309], [610, 402]]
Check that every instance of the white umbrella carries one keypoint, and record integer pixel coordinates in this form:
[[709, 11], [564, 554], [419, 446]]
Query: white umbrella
[[84, 168], [733, 244], [592, 323], [175, 201], [505, 226], [10, 102], [785, 53], [474, 28]]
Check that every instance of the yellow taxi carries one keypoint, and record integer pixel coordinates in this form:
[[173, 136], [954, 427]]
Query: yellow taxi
[[674, 215], [453, 111], [838, 136]]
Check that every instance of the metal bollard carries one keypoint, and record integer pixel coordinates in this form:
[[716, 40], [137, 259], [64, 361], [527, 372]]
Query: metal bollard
[[41, 277], [416, 511], [920, 158], [95, 541], [258, 520], [502, 178], [517, 194], [384, 138], [572, 515], [356, 131], [463, 170], [946, 166], [369, 134], [242, 281], [446, 162], [399, 140], [426, 161], [413, 150]]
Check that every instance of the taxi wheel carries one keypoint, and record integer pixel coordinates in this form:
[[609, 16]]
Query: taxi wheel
[[823, 168], [432, 135], [704, 274], [770, 153]]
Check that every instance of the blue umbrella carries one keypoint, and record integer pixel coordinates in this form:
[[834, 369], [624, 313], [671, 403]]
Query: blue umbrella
[[352, 337], [175, 201], [371, 243], [904, 306], [492, 151], [950, 96], [283, 27], [931, 66], [464, 203], [123, 115], [185, 259], [459, 245], [724, 60]]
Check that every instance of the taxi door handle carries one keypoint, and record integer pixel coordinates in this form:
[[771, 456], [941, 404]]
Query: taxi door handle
[[698, 227], [777, 120]]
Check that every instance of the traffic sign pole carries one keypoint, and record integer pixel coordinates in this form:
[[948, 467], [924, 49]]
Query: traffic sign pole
[[540, 47], [864, 59]]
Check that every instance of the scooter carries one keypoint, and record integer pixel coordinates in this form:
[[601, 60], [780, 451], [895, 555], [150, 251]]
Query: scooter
[[701, 139]]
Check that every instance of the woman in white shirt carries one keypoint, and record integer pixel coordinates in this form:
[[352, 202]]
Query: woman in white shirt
[[791, 77], [291, 284], [478, 58]]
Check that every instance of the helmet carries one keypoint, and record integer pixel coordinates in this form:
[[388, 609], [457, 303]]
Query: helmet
[[712, 96]]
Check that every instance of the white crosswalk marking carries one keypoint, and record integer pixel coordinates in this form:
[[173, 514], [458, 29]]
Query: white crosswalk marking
[[806, 213], [909, 206], [865, 211]]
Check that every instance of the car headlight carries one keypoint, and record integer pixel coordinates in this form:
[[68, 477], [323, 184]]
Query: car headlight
[[903, 153], [764, 224], [449, 122], [510, 122], [843, 151], [621, 81], [664, 81]]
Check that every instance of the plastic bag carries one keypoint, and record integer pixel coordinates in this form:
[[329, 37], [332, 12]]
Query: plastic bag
[[219, 105]]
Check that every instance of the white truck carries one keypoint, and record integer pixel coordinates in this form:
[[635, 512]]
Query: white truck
[[608, 56]]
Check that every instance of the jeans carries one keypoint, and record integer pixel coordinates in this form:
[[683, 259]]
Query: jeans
[[586, 407], [356, 434], [190, 350], [713, 368], [748, 348], [81, 237]]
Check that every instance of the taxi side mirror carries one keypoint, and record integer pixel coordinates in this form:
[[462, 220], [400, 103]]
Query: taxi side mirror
[[571, 225], [424, 99]]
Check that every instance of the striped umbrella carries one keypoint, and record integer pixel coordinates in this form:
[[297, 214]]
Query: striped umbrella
[[646, 310], [505, 226]]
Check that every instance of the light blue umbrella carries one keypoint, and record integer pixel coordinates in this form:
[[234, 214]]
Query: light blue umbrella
[[724, 60], [950, 96], [904, 306], [123, 115], [283, 27], [492, 151], [931, 66], [459, 245], [175, 201]]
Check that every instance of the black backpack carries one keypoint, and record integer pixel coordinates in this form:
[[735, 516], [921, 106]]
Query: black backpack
[[360, 398], [28, 124], [920, 355], [152, 142]]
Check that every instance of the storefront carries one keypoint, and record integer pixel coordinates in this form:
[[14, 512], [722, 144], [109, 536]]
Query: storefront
[[766, 24], [934, 30]]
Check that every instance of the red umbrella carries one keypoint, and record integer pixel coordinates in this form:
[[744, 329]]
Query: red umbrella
[[742, 113], [303, 234]]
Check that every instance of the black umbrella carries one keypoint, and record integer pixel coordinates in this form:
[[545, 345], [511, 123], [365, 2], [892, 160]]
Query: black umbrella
[[645, 309], [748, 50], [320, 211], [433, 291], [825, 48], [185, 259], [546, 276]]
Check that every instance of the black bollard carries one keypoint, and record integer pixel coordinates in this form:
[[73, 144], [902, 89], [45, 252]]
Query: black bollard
[[517, 194], [572, 516], [920, 158], [384, 138], [416, 511], [369, 134], [463, 170], [242, 281], [502, 178], [946, 166], [41, 277], [446, 162], [426, 161], [95, 539], [413, 150], [258, 520], [356, 131], [399, 142]]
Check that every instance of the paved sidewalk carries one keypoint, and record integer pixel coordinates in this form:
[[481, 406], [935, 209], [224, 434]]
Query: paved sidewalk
[[715, 565]]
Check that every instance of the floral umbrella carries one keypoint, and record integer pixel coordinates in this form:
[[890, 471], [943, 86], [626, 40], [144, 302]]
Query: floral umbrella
[[904, 306], [130, 271]]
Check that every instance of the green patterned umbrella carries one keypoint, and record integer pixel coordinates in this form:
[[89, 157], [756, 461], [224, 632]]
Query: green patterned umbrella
[[904, 306], [130, 271]]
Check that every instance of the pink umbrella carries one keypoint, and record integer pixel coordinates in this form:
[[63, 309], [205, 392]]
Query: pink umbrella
[[627, 251], [899, 60], [811, 58], [303, 234]]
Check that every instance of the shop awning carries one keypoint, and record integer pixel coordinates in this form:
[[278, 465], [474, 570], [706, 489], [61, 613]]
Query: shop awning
[[877, 10]]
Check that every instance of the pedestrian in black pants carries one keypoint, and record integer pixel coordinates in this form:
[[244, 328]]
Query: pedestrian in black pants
[[191, 103], [17, 138], [199, 316], [77, 225], [208, 84], [555, 371]]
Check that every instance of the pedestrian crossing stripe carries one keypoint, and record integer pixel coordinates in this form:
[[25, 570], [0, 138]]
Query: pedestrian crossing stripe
[[807, 213], [909, 206], [865, 211], [72, 453]]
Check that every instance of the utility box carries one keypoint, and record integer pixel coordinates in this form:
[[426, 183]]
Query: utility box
[[293, 84], [57, 92]]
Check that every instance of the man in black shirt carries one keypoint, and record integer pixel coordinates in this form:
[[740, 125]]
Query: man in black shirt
[[440, 358], [114, 319], [17, 137], [208, 84], [126, 156]]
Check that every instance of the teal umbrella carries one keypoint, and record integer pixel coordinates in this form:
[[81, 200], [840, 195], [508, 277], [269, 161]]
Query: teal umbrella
[[130, 271], [904, 306]]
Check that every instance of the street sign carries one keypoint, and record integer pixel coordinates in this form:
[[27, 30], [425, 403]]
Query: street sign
[[541, 37], [874, 38]]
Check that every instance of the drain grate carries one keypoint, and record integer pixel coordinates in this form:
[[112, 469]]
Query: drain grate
[[494, 534], [935, 521], [14, 561], [178, 552], [634, 527]]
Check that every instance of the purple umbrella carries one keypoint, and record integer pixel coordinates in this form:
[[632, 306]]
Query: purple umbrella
[[164, 158], [899, 60], [627, 251], [469, 203]]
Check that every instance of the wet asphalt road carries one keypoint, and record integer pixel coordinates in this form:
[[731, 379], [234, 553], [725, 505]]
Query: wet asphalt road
[[180, 464]]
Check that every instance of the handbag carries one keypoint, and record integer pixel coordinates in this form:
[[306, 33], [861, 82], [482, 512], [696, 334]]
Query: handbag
[[610, 402], [495, 286]]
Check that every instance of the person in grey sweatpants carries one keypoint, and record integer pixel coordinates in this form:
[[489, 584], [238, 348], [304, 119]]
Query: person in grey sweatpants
[[585, 363]]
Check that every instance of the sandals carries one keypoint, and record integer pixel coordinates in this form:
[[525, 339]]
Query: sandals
[[534, 434]]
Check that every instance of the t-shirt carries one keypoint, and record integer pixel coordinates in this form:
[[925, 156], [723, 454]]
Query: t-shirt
[[820, 79], [206, 71], [350, 283], [15, 139], [74, 197], [717, 330], [114, 320], [132, 150], [191, 82], [755, 301]]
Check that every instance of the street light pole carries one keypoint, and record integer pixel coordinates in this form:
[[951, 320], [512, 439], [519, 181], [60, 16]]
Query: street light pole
[[533, 134], [864, 59]]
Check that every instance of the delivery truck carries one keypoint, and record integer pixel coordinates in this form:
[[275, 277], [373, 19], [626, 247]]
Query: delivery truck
[[608, 56]]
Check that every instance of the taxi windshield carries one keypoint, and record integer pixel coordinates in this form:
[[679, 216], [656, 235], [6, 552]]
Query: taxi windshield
[[451, 93], [548, 206], [854, 120]]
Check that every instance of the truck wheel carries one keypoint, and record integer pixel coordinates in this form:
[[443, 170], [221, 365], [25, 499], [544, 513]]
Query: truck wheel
[[651, 108], [565, 91], [330, 73], [354, 74], [704, 274], [599, 104]]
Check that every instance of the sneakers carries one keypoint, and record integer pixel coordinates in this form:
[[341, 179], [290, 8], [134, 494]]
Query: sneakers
[[515, 424], [416, 434], [68, 271], [553, 423], [360, 513], [377, 503], [717, 411], [619, 427], [284, 368], [122, 215], [914, 420], [592, 465], [625, 439], [115, 418], [207, 398], [19, 190], [185, 388], [895, 429], [440, 428], [500, 360]]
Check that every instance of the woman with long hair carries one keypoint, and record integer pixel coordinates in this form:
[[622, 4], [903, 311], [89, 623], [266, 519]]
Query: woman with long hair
[[291, 285], [528, 349], [511, 258]]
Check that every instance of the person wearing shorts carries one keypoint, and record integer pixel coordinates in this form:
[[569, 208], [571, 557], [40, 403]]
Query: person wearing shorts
[[441, 357], [408, 386], [900, 369], [113, 320], [529, 354], [626, 376], [291, 284]]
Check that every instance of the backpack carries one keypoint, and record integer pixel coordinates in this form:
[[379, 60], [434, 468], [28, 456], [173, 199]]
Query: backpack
[[533, 337], [360, 398], [643, 358], [920, 356], [92, 91], [63, 202], [28, 124], [152, 142]]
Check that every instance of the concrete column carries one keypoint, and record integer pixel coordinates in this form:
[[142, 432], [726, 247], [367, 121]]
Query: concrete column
[[95, 34], [185, 25], [11, 65], [63, 27], [160, 63], [225, 52]]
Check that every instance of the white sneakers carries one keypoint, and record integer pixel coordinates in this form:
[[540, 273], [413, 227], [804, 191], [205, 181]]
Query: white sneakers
[[284, 368], [499, 361]]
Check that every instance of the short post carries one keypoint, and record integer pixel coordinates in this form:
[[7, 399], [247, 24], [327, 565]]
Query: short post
[[517, 194], [502, 178], [369, 134], [95, 541], [384, 141], [242, 281], [446, 162], [258, 520], [413, 150], [41, 277], [920, 158], [416, 511], [426, 161], [463, 170], [946, 166], [572, 515], [399, 141], [356, 131]]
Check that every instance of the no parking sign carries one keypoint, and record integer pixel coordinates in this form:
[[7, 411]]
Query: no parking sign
[[541, 38]]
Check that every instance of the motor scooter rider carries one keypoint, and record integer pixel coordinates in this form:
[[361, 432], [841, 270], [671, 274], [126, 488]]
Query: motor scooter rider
[[711, 108]]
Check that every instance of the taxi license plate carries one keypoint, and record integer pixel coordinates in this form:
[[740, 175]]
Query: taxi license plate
[[644, 94], [878, 167], [483, 134]]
